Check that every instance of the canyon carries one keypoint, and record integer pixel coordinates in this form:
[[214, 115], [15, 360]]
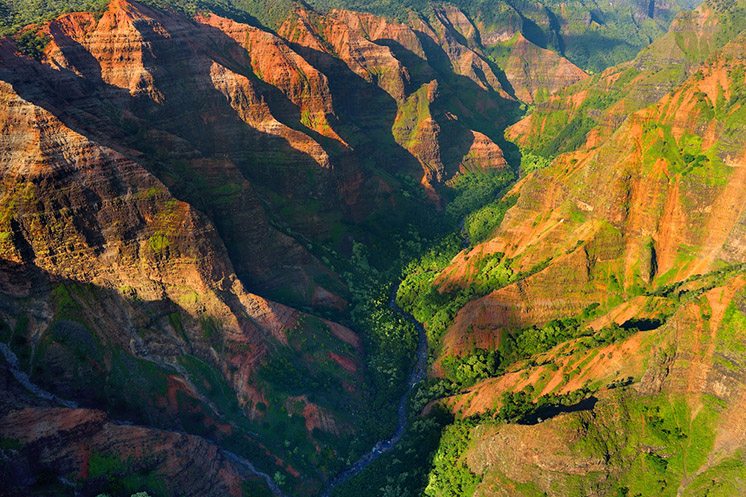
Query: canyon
[[205, 209]]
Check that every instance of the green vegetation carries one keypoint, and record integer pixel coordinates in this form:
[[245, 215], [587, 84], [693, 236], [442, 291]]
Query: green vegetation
[[615, 37], [284, 372], [251, 488], [518, 406], [137, 494], [20, 13], [564, 129], [450, 476], [120, 478], [691, 288], [10, 444], [66, 307], [159, 243], [32, 44], [436, 308], [570, 137], [472, 191], [403, 472], [479, 365], [212, 384], [431, 458], [610, 39], [683, 156], [391, 339], [676, 441], [529, 342], [410, 116], [101, 465], [480, 224], [418, 296], [130, 380], [532, 162]]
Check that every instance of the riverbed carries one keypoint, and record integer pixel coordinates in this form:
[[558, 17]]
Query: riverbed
[[418, 373]]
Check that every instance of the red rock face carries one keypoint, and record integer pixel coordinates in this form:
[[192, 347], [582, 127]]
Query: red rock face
[[86, 206], [238, 111], [348, 36], [273, 62], [483, 154], [616, 216], [627, 87], [160, 180], [72, 441], [110, 48], [404, 60], [537, 72], [446, 32]]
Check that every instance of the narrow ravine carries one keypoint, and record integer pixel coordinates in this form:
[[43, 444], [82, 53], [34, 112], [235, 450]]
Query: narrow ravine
[[247, 465], [419, 370]]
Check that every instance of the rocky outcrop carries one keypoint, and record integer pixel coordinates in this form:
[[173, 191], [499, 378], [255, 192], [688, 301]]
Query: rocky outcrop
[[46, 444], [407, 62], [273, 62], [448, 45], [164, 179], [111, 48], [244, 121], [87, 217], [483, 154], [84, 444], [535, 73], [654, 204], [351, 37]]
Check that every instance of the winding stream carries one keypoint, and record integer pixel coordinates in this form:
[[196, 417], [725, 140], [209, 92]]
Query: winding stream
[[23, 378], [415, 376], [246, 465]]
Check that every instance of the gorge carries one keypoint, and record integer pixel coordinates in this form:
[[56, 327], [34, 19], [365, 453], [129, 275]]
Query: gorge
[[485, 248]]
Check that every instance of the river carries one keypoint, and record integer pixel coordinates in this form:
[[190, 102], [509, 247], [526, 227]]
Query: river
[[418, 373]]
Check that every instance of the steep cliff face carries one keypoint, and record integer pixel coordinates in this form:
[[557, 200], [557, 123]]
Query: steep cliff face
[[146, 158], [181, 344], [273, 62], [352, 37], [455, 35], [165, 65], [166, 180], [85, 446], [126, 294], [429, 70], [535, 72], [659, 201], [592, 36]]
